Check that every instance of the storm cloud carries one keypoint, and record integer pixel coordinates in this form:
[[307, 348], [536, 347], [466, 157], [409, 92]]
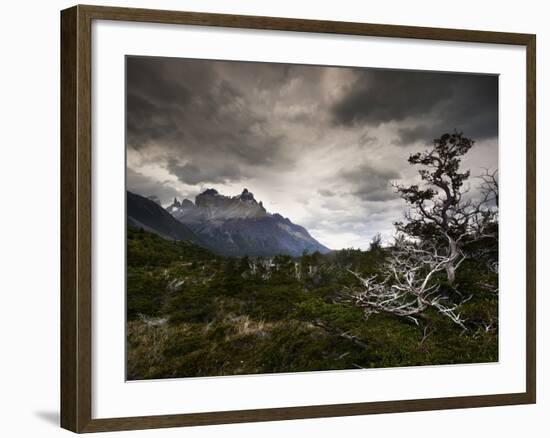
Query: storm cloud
[[370, 183], [430, 102], [320, 145], [190, 109]]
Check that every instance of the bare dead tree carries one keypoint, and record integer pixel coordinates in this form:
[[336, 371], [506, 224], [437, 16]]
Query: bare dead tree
[[439, 209], [486, 226], [443, 220], [407, 289], [489, 187]]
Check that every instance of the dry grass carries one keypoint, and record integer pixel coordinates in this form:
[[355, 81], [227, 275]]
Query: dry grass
[[147, 342], [145, 345], [245, 326]]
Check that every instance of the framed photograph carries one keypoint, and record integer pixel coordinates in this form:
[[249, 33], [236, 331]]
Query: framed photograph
[[270, 218]]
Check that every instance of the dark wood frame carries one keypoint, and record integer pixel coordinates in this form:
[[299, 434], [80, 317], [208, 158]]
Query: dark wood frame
[[76, 173]]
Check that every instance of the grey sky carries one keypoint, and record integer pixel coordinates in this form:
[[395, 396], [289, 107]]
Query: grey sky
[[319, 145]]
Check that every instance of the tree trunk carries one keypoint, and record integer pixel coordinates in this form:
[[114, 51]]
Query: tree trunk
[[450, 268], [451, 274]]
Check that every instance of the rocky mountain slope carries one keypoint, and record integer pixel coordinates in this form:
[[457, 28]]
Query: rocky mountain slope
[[240, 225], [147, 214]]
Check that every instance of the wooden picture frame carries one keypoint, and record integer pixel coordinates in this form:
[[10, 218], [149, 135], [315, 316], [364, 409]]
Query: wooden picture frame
[[76, 218]]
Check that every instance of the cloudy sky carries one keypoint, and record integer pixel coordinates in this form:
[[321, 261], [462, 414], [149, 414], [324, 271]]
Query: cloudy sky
[[319, 145]]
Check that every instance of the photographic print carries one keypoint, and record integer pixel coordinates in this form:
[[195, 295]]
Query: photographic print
[[290, 218]]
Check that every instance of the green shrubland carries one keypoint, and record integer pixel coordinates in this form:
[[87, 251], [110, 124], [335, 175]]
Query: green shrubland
[[192, 313]]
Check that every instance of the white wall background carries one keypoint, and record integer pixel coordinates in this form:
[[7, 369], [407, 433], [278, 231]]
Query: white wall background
[[29, 218]]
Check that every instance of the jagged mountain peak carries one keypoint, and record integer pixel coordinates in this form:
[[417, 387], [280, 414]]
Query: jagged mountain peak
[[209, 192], [210, 204], [239, 225], [246, 196]]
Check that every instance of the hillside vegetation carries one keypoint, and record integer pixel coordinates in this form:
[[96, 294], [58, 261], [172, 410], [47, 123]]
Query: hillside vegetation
[[193, 313]]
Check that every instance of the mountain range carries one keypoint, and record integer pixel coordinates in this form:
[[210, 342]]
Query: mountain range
[[228, 225]]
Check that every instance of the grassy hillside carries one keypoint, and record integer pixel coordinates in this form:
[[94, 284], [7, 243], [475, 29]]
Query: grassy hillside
[[193, 313]]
